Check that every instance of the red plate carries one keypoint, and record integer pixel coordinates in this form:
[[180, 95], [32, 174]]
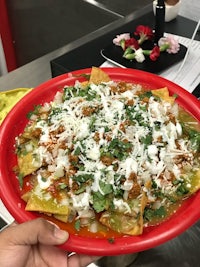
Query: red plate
[[14, 124]]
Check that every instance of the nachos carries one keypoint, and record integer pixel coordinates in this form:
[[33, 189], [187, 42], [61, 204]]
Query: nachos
[[109, 153]]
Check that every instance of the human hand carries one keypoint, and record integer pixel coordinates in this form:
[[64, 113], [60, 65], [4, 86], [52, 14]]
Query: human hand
[[33, 244]]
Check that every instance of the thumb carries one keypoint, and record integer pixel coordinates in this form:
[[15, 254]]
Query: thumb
[[34, 232]]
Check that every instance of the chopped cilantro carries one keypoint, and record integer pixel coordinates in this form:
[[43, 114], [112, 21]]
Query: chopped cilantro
[[43, 179], [147, 140], [193, 135], [181, 187], [77, 225], [175, 95], [54, 112], [111, 240], [84, 75], [80, 190], [147, 94], [91, 94], [68, 92], [182, 190], [83, 178], [86, 92], [77, 151], [92, 123], [100, 202], [20, 178], [62, 186], [117, 148], [157, 125], [106, 188], [149, 213], [154, 184], [143, 107], [106, 129], [35, 111]]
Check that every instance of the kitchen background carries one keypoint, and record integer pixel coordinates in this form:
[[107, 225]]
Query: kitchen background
[[38, 27]]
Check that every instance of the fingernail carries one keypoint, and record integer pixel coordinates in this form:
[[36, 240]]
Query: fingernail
[[53, 224], [60, 234]]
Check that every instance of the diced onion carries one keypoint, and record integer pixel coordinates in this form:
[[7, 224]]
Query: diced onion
[[29, 147], [93, 227], [156, 205]]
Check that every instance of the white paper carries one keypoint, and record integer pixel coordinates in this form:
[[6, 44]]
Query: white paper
[[189, 76]]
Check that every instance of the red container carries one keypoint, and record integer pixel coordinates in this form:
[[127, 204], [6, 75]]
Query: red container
[[14, 124]]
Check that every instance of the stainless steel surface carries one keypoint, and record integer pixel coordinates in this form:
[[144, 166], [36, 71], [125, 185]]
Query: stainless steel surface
[[123, 8], [38, 71], [39, 27]]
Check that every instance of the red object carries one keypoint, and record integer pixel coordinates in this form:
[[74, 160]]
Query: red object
[[132, 42], [14, 124], [155, 53], [145, 33], [6, 37]]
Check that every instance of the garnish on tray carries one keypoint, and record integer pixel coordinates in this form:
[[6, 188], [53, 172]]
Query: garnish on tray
[[134, 45]]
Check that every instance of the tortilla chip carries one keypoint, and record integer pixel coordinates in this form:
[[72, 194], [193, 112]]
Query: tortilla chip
[[62, 218], [195, 183], [122, 223], [46, 204], [25, 164], [26, 196], [163, 93], [84, 84], [98, 75]]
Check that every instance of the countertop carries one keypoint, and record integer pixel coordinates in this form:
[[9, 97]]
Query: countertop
[[39, 70]]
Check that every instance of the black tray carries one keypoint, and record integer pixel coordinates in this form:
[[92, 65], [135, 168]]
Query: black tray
[[114, 54]]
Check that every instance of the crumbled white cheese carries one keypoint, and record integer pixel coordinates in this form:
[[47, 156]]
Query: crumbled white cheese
[[68, 126], [43, 183], [81, 201]]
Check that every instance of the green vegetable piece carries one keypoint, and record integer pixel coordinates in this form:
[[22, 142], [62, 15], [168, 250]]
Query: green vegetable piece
[[111, 240], [35, 111], [83, 178], [149, 213], [77, 225], [100, 202]]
